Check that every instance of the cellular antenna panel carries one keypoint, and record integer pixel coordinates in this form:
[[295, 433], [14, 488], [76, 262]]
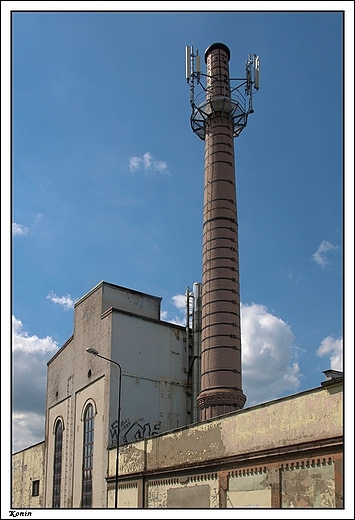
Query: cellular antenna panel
[[256, 72], [188, 63]]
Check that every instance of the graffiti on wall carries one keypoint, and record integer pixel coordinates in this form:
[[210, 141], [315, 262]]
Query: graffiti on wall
[[133, 431]]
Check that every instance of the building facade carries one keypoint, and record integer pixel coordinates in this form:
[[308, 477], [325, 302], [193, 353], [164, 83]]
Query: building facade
[[84, 392], [28, 477], [286, 453]]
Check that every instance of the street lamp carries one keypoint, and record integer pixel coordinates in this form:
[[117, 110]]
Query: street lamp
[[93, 351]]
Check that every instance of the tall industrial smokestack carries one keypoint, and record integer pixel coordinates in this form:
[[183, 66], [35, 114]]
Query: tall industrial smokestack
[[216, 120]]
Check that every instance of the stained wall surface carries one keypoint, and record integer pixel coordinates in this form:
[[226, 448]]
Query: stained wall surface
[[309, 485], [149, 358], [282, 454], [249, 490], [27, 468], [287, 453]]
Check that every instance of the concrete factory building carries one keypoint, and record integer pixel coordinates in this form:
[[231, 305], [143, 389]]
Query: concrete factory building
[[283, 453], [143, 413]]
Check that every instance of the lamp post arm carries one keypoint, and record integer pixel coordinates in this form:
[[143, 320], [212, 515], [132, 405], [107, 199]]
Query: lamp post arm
[[110, 360]]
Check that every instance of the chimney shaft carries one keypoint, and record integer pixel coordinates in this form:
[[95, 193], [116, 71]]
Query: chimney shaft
[[221, 378]]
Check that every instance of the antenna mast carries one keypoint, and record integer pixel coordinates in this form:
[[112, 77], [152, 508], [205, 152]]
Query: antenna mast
[[204, 106], [193, 70]]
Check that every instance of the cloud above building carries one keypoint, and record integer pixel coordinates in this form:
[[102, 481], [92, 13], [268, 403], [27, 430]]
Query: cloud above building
[[148, 164], [30, 355], [269, 364], [67, 302], [333, 348], [27, 429]]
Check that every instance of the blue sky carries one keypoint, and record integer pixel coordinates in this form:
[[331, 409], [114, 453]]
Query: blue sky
[[107, 184]]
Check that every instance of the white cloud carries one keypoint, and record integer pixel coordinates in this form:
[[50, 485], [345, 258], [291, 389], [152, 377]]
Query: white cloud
[[268, 352], [134, 163], [320, 256], [177, 321], [268, 365], [164, 315], [147, 162], [179, 300], [29, 367], [21, 341], [66, 301], [27, 430], [19, 229], [161, 166], [334, 349]]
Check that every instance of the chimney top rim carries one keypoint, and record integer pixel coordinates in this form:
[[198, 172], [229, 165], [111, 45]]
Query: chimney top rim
[[217, 45]]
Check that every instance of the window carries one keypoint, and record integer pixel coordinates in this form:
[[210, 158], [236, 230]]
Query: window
[[35, 488], [57, 469], [88, 450]]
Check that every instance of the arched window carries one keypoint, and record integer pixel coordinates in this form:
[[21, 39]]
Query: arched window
[[57, 466], [88, 451]]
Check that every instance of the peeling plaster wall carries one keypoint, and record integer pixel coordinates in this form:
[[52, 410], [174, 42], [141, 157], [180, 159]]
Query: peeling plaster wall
[[251, 490], [27, 466], [127, 496], [131, 458], [200, 491], [305, 417], [308, 486], [165, 471], [308, 416], [279, 427]]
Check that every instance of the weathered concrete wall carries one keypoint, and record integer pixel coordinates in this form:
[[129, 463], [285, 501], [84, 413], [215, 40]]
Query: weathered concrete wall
[[309, 485], [130, 301], [83, 398], [121, 298], [63, 411], [249, 490], [71, 412], [304, 417], [128, 496], [76, 377], [153, 358], [307, 416], [28, 466], [300, 469], [131, 458], [276, 432], [199, 491]]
